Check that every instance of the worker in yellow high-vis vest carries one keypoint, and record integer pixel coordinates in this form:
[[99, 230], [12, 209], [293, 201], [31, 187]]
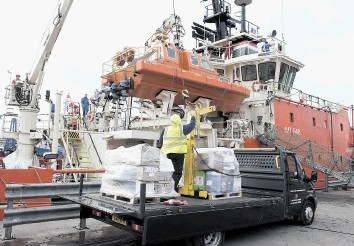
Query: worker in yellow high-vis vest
[[174, 144]]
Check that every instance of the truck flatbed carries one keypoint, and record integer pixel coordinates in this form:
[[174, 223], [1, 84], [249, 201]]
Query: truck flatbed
[[118, 207], [156, 222]]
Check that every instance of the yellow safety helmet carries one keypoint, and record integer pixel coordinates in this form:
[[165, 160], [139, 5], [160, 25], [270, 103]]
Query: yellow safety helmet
[[175, 119]]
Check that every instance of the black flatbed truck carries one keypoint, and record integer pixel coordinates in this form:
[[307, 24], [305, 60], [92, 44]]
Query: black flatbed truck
[[274, 188]]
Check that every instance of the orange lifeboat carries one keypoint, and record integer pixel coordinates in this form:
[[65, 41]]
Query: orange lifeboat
[[167, 68]]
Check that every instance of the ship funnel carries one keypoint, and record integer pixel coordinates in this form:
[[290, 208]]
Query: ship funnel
[[272, 34], [243, 4]]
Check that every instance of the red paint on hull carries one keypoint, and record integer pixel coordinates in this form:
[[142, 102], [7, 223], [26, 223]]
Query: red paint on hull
[[315, 124], [24, 176]]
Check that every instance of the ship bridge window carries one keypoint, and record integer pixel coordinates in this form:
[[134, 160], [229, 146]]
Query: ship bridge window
[[194, 60], [266, 71], [284, 69], [287, 77], [171, 52], [205, 64], [292, 74], [249, 72]]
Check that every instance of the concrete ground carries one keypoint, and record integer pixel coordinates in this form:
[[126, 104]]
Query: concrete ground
[[333, 225]]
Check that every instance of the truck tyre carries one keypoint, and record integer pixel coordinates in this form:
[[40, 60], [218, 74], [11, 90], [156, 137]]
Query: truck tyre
[[211, 239], [307, 213]]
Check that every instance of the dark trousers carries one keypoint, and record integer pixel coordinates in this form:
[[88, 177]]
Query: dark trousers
[[85, 110], [177, 161]]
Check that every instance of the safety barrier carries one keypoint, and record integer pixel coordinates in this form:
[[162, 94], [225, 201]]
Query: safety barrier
[[15, 192]]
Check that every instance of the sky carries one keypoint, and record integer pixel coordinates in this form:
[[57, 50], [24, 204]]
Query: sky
[[317, 33]]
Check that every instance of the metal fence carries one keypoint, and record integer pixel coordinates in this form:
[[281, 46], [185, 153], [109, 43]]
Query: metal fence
[[19, 192]]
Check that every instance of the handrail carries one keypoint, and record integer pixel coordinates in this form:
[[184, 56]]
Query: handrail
[[66, 147], [93, 143]]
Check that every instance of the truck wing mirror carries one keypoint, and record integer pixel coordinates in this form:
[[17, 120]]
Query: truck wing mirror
[[314, 176]]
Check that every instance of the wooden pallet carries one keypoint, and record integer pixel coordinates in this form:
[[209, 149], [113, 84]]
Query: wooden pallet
[[217, 196], [136, 200]]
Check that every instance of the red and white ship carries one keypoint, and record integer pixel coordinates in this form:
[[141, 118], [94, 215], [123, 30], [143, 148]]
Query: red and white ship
[[275, 112]]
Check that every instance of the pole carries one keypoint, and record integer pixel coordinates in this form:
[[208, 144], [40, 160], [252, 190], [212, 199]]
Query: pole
[[332, 137], [56, 126], [50, 115], [243, 18]]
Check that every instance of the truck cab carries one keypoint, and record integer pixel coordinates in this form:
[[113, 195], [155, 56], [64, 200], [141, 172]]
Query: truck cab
[[301, 192], [279, 171]]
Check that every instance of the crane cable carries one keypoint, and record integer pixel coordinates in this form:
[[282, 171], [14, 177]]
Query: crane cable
[[174, 75]]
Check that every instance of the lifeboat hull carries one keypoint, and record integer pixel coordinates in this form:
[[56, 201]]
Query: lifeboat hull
[[151, 78]]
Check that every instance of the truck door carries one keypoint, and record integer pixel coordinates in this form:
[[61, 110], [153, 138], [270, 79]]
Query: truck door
[[296, 184]]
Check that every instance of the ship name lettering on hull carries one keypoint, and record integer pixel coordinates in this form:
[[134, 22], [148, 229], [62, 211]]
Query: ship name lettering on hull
[[289, 129]]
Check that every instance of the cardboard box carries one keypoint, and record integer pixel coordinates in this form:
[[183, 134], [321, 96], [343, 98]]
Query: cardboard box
[[199, 180]]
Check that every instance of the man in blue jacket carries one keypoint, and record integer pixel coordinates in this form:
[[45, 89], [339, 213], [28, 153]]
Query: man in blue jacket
[[174, 144], [85, 104]]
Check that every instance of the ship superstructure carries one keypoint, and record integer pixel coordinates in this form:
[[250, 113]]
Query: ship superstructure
[[275, 112]]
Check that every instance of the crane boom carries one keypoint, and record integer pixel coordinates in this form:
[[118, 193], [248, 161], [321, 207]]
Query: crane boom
[[51, 35]]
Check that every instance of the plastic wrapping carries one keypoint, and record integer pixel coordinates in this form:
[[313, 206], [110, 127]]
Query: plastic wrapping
[[220, 183], [166, 168], [218, 159], [127, 168], [111, 184], [129, 172], [138, 155], [12, 161]]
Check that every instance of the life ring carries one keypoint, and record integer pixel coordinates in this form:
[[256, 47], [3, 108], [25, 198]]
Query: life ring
[[90, 116], [256, 86]]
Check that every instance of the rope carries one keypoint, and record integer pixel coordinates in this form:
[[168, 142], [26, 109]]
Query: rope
[[223, 94]]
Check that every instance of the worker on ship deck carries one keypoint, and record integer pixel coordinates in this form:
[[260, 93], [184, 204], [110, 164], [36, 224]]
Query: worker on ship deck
[[85, 104], [173, 140]]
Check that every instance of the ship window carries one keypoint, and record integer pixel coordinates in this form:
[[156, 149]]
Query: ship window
[[341, 126], [325, 124], [266, 71], [283, 76], [291, 78], [194, 60], [171, 52], [313, 121], [220, 71], [291, 117], [249, 72], [205, 64]]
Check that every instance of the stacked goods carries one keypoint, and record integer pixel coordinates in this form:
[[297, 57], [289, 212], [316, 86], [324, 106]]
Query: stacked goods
[[165, 181], [222, 174], [127, 168]]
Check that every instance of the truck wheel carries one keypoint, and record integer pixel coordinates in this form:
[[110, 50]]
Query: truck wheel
[[308, 213], [211, 239]]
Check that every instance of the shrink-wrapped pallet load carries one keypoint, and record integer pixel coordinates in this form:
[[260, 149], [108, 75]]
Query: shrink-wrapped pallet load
[[127, 168], [221, 167], [165, 181]]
